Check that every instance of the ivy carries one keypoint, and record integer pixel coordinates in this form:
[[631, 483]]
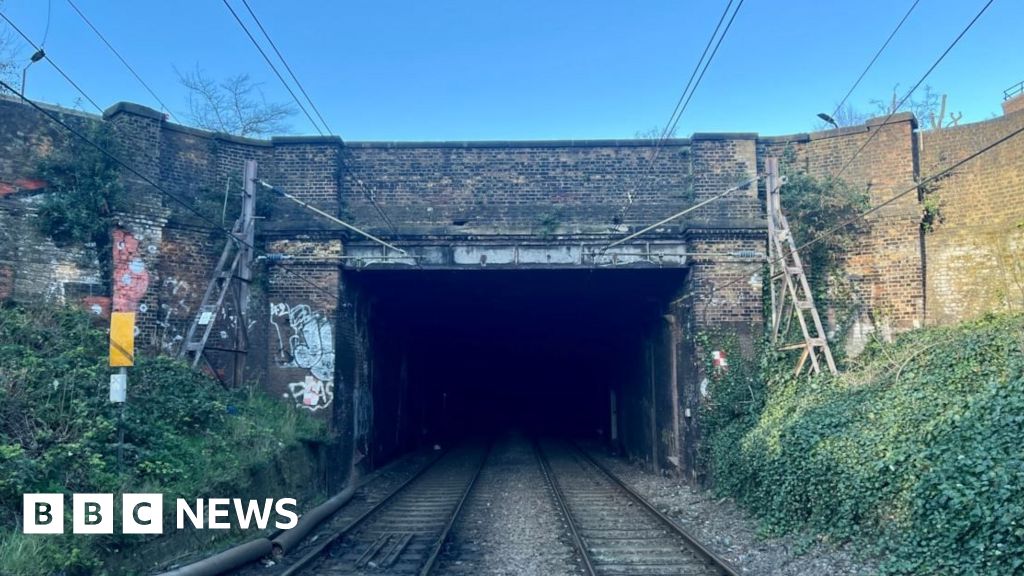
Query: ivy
[[827, 211], [915, 454], [183, 433], [84, 191]]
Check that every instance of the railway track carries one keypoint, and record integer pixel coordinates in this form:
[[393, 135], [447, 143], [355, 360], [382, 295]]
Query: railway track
[[404, 532], [616, 531]]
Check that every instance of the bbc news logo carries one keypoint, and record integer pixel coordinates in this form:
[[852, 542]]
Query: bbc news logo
[[143, 513]]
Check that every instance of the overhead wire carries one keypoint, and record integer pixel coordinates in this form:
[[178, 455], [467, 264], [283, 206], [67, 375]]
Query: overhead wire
[[116, 159], [835, 228], [684, 97], [910, 92], [273, 67], [49, 13], [51, 62], [366, 192], [286, 66], [121, 58], [878, 53]]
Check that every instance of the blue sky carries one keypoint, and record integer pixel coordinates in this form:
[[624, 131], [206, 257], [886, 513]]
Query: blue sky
[[477, 70]]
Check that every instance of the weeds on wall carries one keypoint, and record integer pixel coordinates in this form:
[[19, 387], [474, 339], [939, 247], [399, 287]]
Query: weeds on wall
[[84, 192], [814, 206], [913, 454]]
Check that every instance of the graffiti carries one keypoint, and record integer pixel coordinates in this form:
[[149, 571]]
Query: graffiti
[[312, 393], [175, 304], [130, 276], [310, 346], [97, 305]]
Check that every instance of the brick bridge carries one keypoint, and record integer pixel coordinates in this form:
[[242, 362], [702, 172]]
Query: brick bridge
[[506, 308]]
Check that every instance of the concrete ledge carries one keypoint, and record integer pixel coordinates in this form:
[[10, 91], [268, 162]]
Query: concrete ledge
[[15, 99], [896, 118], [286, 140], [130, 108], [221, 136], [800, 138], [724, 136], [677, 142], [803, 137]]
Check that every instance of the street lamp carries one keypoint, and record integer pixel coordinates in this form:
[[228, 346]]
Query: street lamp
[[828, 119]]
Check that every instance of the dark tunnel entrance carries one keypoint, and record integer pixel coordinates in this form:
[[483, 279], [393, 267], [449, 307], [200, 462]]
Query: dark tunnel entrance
[[456, 353]]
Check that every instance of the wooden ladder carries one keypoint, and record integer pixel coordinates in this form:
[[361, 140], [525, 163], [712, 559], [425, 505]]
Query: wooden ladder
[[234, 269], [790, 291], [212, 303]]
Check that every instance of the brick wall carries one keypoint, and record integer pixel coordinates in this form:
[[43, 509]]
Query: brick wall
[[31, 266], [885, 268], [517, 186], [975, 251]]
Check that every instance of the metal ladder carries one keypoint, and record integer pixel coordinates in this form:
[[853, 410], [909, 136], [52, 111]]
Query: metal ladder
[[234, 269], [790, 291]]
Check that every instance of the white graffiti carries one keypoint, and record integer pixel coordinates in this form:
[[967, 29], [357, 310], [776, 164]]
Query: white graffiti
[[312, 393], [310, 346]]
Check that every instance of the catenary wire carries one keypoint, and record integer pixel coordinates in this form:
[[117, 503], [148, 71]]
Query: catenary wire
[[286, 66], [52, 63], [273, 67], [832, 230], [677, 112], [915, 87], [366, 192], [121, 58], [885, 44], [227, 233], [49, 13]]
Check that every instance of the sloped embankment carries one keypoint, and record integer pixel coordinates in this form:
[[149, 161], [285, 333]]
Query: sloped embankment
[[184, 436], [915, 451]]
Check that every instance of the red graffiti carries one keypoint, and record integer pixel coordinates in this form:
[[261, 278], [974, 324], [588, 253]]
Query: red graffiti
[[130, 276], [97, 305], [7, 188]]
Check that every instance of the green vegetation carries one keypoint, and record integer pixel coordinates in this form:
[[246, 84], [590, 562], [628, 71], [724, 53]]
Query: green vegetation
[[184, 434], [817, 209], [85, 190], [916, 451]]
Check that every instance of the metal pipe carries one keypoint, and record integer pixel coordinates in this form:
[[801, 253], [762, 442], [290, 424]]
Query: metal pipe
[[289, 538], [227, 560]]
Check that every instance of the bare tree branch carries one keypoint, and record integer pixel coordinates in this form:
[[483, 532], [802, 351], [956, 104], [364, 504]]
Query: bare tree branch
[[235, 105]]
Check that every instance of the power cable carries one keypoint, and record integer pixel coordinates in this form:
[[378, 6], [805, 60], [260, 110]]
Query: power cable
[[273, 67], [52, 63], [366, 192], [915, 87], [121, 58], [832, 230], [687, 94], [873, 59], [227, 233], [287, 67], [49, 12]]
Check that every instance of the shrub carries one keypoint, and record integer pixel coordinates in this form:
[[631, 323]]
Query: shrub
[[183, 433]]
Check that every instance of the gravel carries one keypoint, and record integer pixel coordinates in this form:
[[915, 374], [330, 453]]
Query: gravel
[[733, 534], [374, 487], [510, 525]]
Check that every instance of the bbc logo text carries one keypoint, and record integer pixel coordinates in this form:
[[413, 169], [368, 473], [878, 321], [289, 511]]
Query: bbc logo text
[[143, 513]]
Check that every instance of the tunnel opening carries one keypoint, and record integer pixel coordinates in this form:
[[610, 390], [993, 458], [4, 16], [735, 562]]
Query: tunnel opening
[[580, 352]]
